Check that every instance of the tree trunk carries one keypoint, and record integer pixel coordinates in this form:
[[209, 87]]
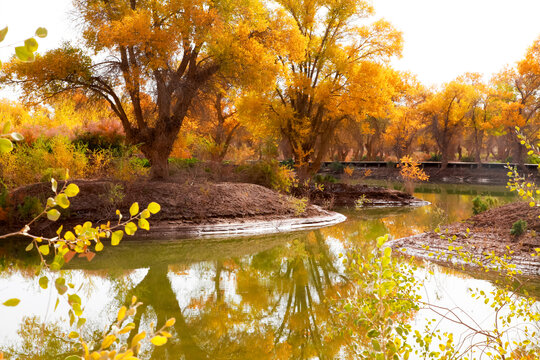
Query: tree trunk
[[159, 164]]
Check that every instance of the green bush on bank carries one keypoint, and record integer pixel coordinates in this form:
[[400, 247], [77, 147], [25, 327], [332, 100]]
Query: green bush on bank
[[268, 173], [484, 203]]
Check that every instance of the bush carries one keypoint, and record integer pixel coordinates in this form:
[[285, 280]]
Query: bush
[[30, 208], [336, 167], [44, 159], [518, 228], [468, 159], [270, 174], [183, 163], [483, 203], [324, 179], [289, 163], [435, 157], [96, 142]]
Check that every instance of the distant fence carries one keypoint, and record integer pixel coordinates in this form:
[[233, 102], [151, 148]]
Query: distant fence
[[430, 164]]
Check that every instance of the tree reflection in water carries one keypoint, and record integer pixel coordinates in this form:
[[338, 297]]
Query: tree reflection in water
[[281, 308]]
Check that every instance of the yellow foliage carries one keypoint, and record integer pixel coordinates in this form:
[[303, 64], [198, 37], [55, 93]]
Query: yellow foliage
[[410, 170]]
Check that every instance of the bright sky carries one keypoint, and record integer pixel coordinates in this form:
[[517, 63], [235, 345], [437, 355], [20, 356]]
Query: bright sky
[[446, 38], [443, 38]]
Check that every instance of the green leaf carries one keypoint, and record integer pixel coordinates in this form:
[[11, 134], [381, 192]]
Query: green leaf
[[117, 237], [373, 333], [7, 127], [44, 249], [30, 246], [130, 228], [3, 33], [17, 136], [5, 145], [154, 207], [134, 209], [77, 309], [41, 32], [31, 44], [23, 54], [44, 282], [81, 322], [62, 200], [144, 224], [12, 302], [71, 190], [376, 345], [53, 214], [73, 357]]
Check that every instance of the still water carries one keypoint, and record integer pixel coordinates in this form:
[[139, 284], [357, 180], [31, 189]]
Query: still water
[[242, 298]]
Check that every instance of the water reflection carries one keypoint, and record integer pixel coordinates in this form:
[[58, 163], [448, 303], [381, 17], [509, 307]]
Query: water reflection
[[249, 298]]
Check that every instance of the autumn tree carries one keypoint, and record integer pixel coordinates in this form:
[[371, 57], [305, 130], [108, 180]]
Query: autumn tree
[[520, 97], [149, 59], [446, 111], [341, 75], [406, 120]]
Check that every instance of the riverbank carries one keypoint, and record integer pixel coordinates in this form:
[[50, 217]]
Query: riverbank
[[489, 232], [187, 210], [462, 175]]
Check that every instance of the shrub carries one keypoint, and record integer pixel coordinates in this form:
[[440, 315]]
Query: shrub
[[183, 163], [468, 158], [270, 174], [518, 228], [435, 157], [96, 142], [324, 179], [483, 203], [28, 164], [336, 167], [287, 163], [30, 208], [299, 205]]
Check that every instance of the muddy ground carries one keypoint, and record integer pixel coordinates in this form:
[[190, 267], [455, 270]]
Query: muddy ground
[[192, 207], [489, 232], [336, 195]]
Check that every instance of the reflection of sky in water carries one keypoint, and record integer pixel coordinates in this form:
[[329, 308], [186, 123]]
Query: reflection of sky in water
[[254, 289]]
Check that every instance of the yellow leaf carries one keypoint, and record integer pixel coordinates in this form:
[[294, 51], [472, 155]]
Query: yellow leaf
[[44, 249], [134, 209], [99, 246], [154, 207], [122, 313], [170, 322], [109, 339], [138, 338], [159, 340], [117, 237]]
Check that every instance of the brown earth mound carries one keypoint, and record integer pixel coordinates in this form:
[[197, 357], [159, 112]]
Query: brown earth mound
[[345, 195], [205, 203], [489, 232]]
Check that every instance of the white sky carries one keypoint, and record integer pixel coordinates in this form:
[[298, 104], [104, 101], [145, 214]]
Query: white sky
[[446, 38], [443, 38]]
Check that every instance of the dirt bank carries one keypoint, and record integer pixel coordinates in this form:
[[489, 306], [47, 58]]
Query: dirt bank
[[489, 232], [345, 195], [205, 209], [187, 209]]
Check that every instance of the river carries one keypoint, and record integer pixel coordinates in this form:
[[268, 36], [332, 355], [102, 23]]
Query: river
[[266, 297]]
